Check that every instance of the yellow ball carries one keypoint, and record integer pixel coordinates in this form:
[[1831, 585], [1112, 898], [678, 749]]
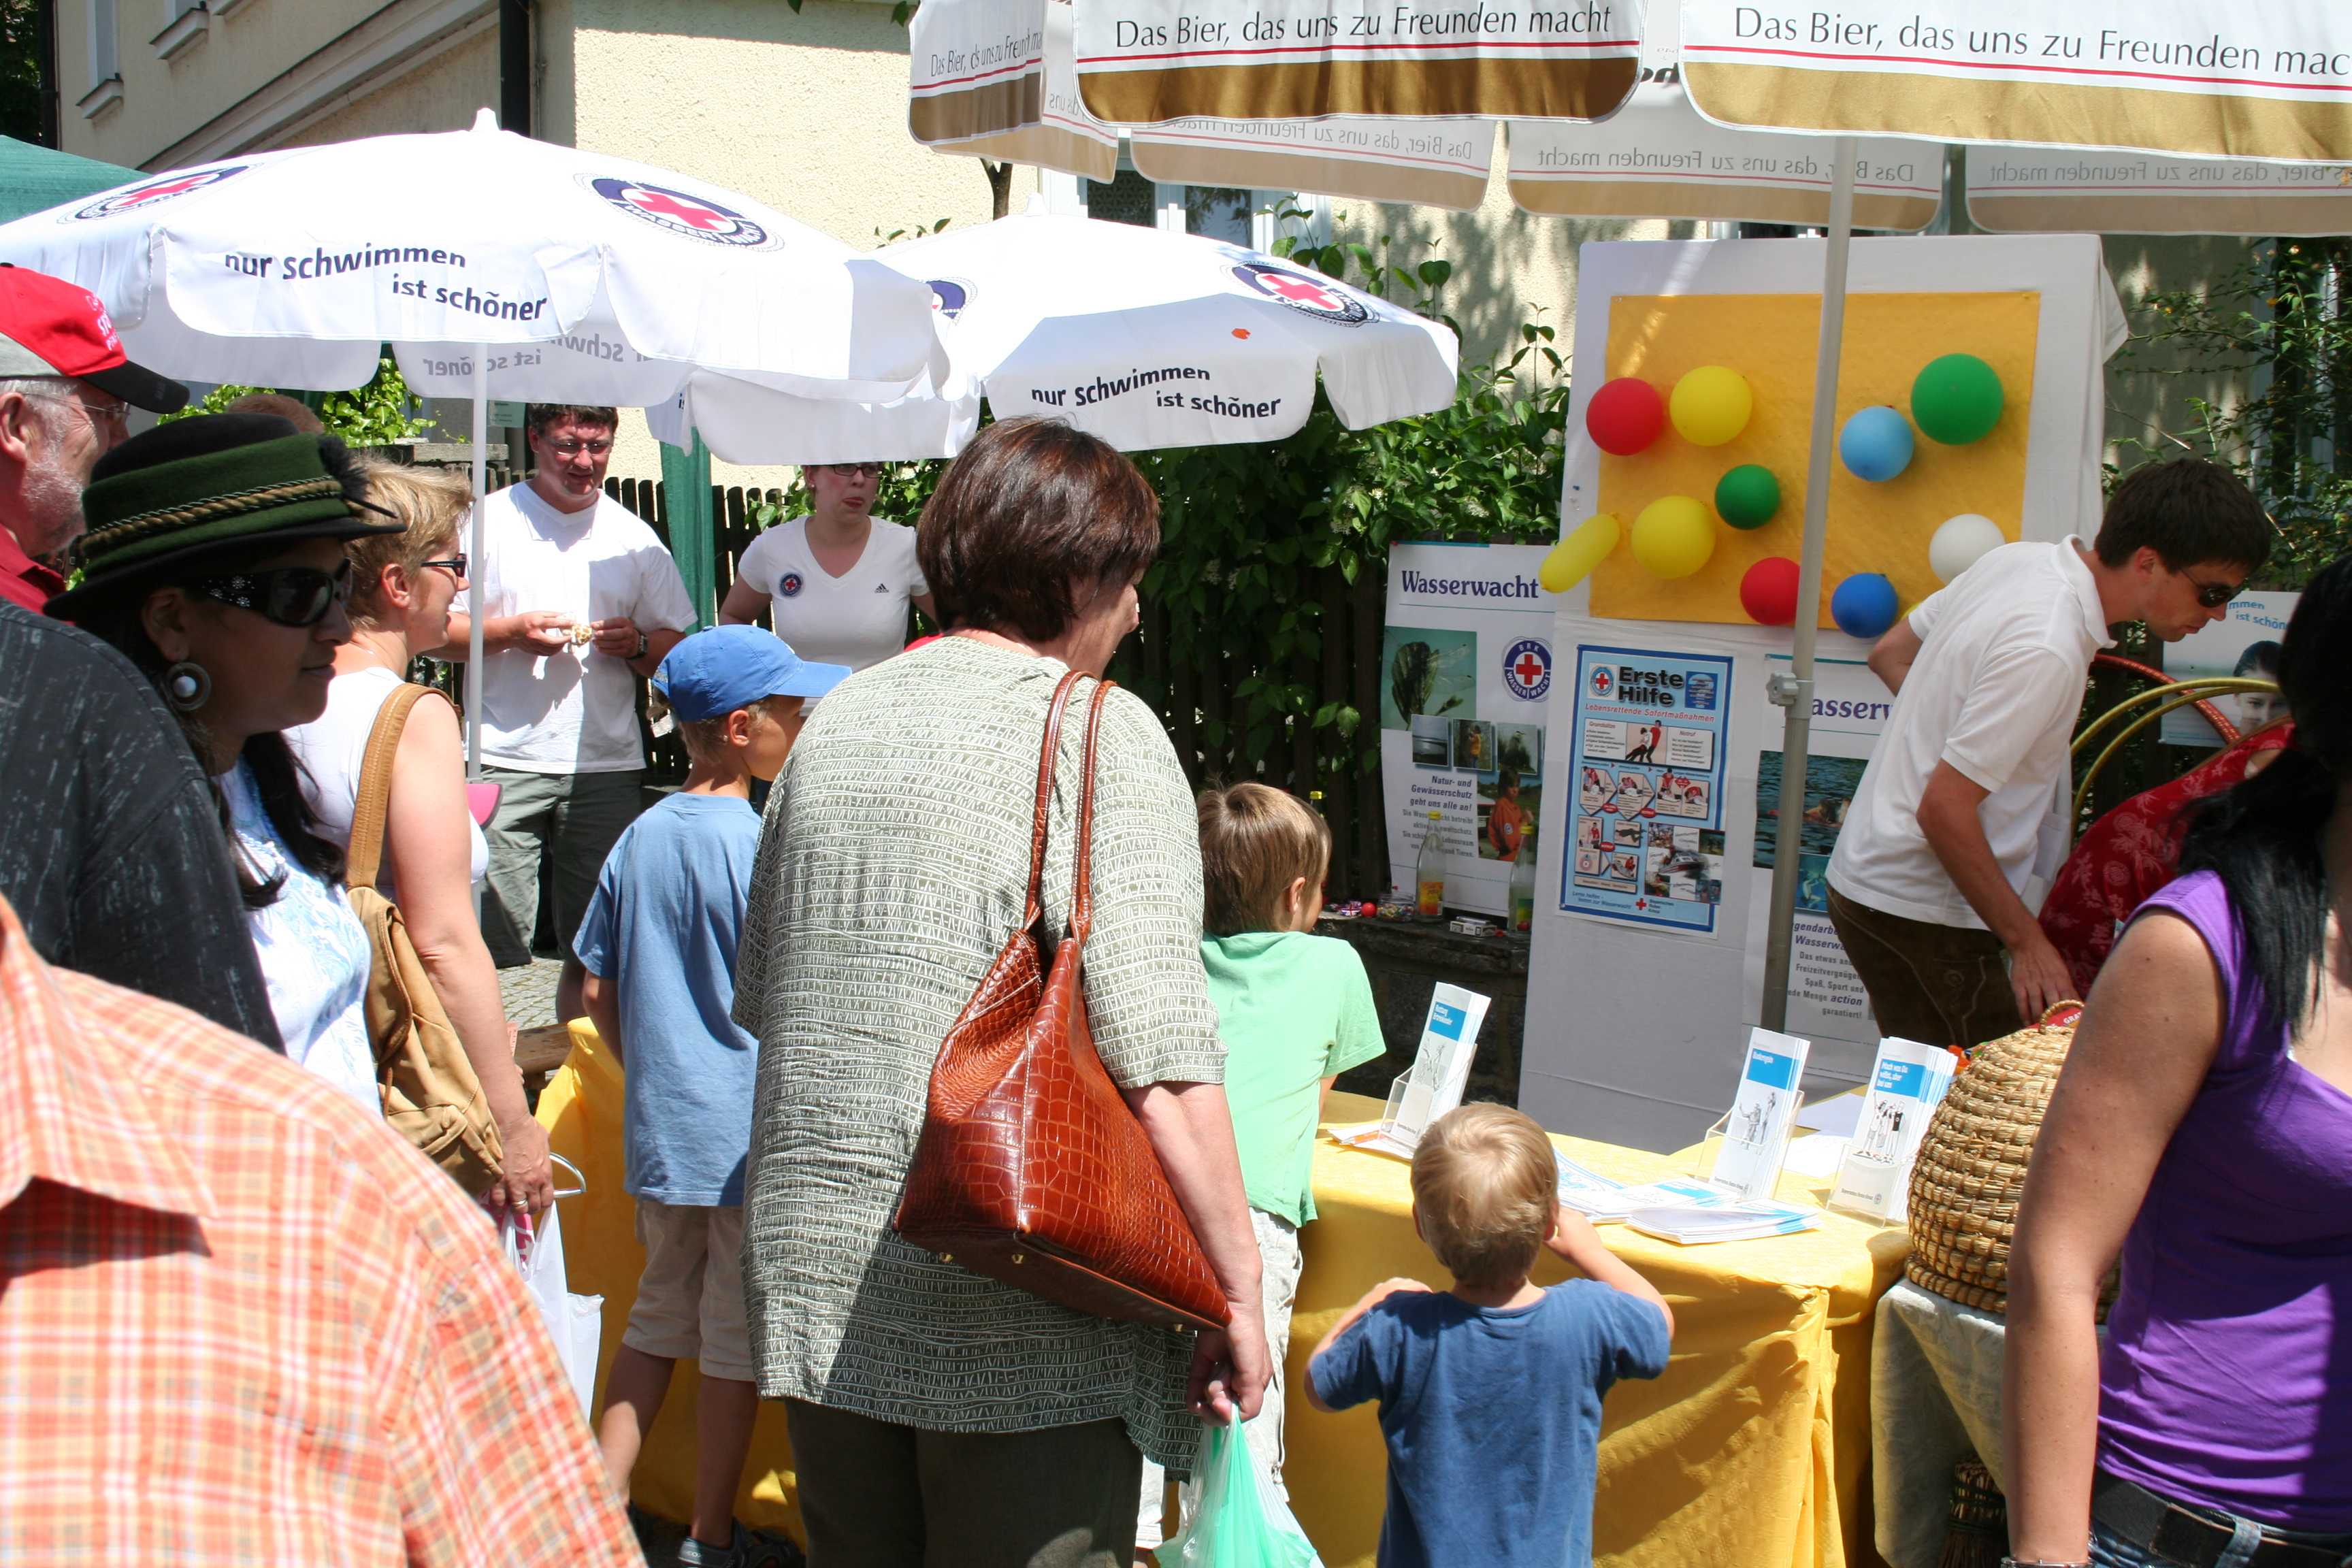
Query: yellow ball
[[1674, 536], [1583, 547], [1711, 405]]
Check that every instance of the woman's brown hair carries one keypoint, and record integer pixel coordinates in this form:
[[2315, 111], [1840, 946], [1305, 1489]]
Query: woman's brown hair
[[1032, 515], [433, 502]]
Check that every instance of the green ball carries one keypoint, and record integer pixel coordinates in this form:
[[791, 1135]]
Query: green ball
[[1955, 400], [1748, 495]]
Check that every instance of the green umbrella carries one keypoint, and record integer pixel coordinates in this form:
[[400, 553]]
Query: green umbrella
[[35, 178]]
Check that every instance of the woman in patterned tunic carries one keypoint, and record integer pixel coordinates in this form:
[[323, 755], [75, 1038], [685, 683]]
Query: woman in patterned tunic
[[937, 1416]]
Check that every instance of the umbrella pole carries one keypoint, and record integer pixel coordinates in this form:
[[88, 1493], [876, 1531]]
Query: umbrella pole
[[475, 561], [1794, 691]]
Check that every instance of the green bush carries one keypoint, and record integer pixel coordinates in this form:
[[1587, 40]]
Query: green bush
[[376, 415]]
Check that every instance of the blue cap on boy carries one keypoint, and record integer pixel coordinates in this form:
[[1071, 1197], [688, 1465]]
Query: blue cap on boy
[[715, 672]]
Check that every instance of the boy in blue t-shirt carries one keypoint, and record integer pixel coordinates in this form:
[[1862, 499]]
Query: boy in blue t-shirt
[[656, 952], [1490, 1392]]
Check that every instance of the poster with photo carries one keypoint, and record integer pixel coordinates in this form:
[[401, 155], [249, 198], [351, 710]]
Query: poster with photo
[[1467, 676], [2246, 644], [1648, 732], [1851, 705]]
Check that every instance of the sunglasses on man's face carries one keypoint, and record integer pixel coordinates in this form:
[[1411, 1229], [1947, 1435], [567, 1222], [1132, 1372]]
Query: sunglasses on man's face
[[453, 564], [290, 596], [2213, 596]]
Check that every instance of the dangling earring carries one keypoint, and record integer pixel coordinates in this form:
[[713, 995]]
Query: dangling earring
[[188, 685]]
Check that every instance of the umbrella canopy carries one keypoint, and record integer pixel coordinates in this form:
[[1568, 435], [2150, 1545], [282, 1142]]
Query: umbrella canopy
[[995, 78], [2269, 81], [583, 277], [1144, 338], [2048, 190], [32, 178]]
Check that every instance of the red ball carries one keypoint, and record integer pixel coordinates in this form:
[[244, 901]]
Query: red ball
[[1769, 592], [1625, 415]]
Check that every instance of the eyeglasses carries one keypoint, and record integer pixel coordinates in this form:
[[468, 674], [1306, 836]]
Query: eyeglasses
[[571, 448], [851, 470], [111, 412], [2213, 596], [454, 565], [290, 596]]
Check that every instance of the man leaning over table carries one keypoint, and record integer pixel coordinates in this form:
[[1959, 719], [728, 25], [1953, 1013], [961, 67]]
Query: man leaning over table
[[1937, 870], [579, 598]]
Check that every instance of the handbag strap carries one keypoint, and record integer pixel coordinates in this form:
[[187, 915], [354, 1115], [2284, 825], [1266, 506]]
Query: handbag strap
[[1082, 892], [366, 856], [1036, 906]]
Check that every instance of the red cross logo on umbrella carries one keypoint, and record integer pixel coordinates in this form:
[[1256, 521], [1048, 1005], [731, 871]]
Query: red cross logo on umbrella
[[154, 190], [1302, 293], [681, 212]]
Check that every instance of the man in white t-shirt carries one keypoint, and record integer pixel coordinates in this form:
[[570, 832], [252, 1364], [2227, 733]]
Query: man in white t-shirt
[[579, 598], [1941, 861]]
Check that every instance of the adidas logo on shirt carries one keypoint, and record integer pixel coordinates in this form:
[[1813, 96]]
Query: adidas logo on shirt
[[881, 587]]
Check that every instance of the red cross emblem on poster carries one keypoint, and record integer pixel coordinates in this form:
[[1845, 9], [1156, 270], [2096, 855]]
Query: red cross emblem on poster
[[154, 190]]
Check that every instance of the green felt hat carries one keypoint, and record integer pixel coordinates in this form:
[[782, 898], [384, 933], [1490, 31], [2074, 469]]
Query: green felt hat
[[199, 486]]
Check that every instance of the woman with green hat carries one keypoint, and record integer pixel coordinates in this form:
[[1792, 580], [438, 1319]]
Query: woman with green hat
[[214, 561]]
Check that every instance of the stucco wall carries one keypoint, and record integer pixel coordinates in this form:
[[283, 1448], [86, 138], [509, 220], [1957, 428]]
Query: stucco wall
[[806, 111], [442, 94]]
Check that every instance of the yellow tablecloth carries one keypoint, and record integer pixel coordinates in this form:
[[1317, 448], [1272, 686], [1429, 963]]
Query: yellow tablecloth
[[1749, 1452]]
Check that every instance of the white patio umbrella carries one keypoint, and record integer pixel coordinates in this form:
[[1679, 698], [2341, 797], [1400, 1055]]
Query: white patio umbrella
[[1145, 338], [496, 267]]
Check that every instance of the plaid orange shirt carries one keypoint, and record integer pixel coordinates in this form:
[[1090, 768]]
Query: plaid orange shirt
[[239, 1324]]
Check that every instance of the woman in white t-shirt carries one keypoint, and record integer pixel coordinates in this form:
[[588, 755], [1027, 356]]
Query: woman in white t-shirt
[[403, 587], [838, 579]]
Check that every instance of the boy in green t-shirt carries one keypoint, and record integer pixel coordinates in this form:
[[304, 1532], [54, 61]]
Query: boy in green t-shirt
[[1294, 1011]]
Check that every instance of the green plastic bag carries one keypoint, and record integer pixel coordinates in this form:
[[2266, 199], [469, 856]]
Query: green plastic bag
[[1238, 1521]]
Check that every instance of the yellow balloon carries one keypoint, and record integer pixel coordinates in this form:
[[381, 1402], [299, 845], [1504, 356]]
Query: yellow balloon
[[1674, 536], [1571, 561], [1711, 404]]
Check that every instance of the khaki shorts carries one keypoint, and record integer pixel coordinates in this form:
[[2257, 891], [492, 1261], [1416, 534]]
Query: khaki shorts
[[690, 1298]]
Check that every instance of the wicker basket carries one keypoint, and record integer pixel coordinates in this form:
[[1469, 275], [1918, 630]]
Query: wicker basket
[[1971, 1164]]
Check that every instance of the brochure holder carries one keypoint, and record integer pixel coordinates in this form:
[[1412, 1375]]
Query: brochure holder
[[1755, 1132], [1440, 1071]]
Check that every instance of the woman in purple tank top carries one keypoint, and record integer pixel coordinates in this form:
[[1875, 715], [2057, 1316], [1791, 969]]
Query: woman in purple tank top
[[2201, 1132]]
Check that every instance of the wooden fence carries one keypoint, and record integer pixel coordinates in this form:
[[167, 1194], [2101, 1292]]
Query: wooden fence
[[1193, 697]]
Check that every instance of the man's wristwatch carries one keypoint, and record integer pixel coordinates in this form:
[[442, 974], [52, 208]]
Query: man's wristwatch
[[643, 644]]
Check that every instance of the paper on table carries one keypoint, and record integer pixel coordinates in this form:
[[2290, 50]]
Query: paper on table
[[1815, 1155], [1840, 1113]]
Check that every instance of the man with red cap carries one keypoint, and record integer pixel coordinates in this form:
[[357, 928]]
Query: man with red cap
[[65, 394]]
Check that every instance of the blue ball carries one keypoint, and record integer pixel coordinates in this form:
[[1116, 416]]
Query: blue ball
[[1863, 606], [1875, 444]]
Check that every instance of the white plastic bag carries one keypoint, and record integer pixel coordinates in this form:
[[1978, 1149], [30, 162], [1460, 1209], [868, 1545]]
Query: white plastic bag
[[575, 1324]]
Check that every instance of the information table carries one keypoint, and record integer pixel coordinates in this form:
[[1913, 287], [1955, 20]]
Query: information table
[[1748, 1453]]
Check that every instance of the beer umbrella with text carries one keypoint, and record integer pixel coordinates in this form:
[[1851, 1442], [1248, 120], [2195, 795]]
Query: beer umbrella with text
[[1144, 338], [495, 266]]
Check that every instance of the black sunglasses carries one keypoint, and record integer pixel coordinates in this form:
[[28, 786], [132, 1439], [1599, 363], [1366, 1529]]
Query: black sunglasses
[[456, 563], [290, 596], [2213, 596]]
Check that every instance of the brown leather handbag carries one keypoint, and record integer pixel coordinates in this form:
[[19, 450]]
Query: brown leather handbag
[[432, 1096], [1032, 1170]]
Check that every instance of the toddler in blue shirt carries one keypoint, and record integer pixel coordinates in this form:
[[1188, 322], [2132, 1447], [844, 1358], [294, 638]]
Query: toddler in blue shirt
[[1490, 1392]]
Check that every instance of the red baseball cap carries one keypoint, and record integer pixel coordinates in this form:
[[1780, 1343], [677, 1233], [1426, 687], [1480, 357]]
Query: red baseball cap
[[51, 327]]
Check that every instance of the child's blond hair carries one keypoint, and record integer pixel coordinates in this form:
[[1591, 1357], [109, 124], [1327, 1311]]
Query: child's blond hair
[[704, 740], [1484, 1185], [1255, 840]]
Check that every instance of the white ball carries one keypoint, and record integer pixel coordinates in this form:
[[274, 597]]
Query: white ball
[[1958, 542]]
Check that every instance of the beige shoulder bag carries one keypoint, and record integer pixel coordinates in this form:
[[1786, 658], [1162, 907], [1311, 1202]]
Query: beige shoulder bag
[[431, 1094]]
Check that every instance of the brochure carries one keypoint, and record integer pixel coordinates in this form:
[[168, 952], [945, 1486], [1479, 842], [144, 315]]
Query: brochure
[[1691, 1224], [1906, 1084], [1756, 1131], [1440, 1071]]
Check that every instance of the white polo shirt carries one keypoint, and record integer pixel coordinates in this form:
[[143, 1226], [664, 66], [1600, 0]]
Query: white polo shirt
[[1995, 691], [574, 710], [858, 618]]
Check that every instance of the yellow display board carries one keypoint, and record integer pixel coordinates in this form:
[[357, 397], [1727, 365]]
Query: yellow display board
[[1771, 339]]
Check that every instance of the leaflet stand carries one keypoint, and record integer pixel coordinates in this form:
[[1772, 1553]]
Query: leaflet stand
[[1441, 1069], [1750, 1141]]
